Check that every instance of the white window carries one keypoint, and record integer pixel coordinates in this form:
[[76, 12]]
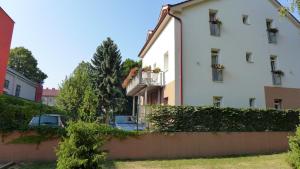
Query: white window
[[217, 101], [252, 102], [166, 61], [249, 57], [245, 19], [278, 104], [18, 91], [217, 70], [215, 23]]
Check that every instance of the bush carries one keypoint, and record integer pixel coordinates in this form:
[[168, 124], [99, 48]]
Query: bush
[[294, 153], [15, 113], [82, 148], [212, 119]]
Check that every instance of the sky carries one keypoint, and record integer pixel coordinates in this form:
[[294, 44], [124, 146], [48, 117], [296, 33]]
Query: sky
[[62, 33]]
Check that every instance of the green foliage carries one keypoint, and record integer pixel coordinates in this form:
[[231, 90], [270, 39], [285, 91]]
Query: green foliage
[[107, 79], [294, 153], [212, 119], [294, 4], [81, 149], [22, 60], [127, 65], [16, 113], [77, 95]]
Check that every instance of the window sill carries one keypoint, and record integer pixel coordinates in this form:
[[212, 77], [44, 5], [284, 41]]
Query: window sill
[[218, 81]]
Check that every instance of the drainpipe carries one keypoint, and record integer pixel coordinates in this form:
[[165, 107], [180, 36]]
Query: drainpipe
[[180, 57]]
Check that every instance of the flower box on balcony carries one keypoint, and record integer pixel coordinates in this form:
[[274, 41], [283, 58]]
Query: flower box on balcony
[[218, 66], [278, 72], [217, 21], [147, 69], [273, 30], [156, 70]]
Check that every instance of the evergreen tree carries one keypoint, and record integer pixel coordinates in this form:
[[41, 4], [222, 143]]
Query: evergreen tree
[[107, 79]]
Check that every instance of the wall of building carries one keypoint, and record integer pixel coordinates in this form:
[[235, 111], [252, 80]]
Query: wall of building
[[290, 97], [28, 88], [165, 43], [159, 146], [6, 30], [242, 80]]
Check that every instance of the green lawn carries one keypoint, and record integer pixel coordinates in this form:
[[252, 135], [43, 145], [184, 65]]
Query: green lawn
[[277, 161]]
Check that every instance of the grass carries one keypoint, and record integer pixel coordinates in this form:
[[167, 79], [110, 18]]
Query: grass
[[276, 161]]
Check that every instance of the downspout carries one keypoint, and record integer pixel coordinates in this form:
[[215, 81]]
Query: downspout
[[180, 57]]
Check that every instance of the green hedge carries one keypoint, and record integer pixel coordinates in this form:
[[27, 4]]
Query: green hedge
[[212, 119], [16, 113]]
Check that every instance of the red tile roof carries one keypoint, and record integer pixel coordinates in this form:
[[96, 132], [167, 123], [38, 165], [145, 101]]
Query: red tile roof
[[50, 92]]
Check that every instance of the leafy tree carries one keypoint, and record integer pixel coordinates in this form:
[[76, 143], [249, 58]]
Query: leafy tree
[[22, 60], [106, 64], [77, 95], [127, 65]]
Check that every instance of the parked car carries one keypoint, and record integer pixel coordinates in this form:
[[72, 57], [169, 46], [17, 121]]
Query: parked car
[[127, 123], [52, 120]]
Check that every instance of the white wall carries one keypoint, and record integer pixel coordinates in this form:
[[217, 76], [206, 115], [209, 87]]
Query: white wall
[[241, 79], [164, 43], [28, 89]]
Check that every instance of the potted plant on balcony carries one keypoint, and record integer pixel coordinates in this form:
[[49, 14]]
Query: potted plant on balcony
[[278, 72], [147, 69], [216, 21], [156, 70], [273, 30], [218, 66]]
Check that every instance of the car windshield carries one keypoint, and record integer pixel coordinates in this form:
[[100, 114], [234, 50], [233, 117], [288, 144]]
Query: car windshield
[[49, 120]]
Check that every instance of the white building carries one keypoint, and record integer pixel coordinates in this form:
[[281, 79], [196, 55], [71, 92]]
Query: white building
[[228, 53], [18, 85]]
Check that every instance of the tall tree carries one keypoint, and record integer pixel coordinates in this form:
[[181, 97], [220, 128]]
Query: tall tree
[[77, 96], [106, 64], [126, 66], [22, 60]]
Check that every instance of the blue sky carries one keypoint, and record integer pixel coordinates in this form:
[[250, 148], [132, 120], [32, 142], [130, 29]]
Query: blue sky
[[61, 33]]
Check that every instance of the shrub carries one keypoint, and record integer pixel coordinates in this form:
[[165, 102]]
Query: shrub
[[212, 119], [294, 153], [15, 113], [82, 147]]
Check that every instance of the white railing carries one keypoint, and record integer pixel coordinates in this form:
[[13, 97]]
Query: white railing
[[147, 79]]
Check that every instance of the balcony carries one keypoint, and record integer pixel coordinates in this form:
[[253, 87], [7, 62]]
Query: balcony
[[144, 79]]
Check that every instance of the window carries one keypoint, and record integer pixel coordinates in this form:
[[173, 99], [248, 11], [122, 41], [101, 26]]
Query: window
[[245, 19], [217, 70], [252, 102], [18, 90], [276, 75], [249, 58], [166, 101], [215, 23], [166, 61], [6, 84], [154, 65], [278, 104], [217, 101], [272, 32]]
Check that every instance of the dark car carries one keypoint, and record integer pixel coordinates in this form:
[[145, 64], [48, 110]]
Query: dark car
[[51, 120]]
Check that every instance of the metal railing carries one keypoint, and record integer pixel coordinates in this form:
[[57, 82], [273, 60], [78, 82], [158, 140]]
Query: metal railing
[[146, 78]]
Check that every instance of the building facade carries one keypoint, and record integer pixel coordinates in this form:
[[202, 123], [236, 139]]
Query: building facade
[[226, 53], [16, 84], [49, 96], [6, 30]]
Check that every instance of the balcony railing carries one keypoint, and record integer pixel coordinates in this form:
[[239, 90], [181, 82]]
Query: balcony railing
[[144, 79]]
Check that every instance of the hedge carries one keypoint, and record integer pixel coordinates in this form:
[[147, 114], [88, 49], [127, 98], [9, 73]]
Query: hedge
[[212, 119], [16, 113]]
